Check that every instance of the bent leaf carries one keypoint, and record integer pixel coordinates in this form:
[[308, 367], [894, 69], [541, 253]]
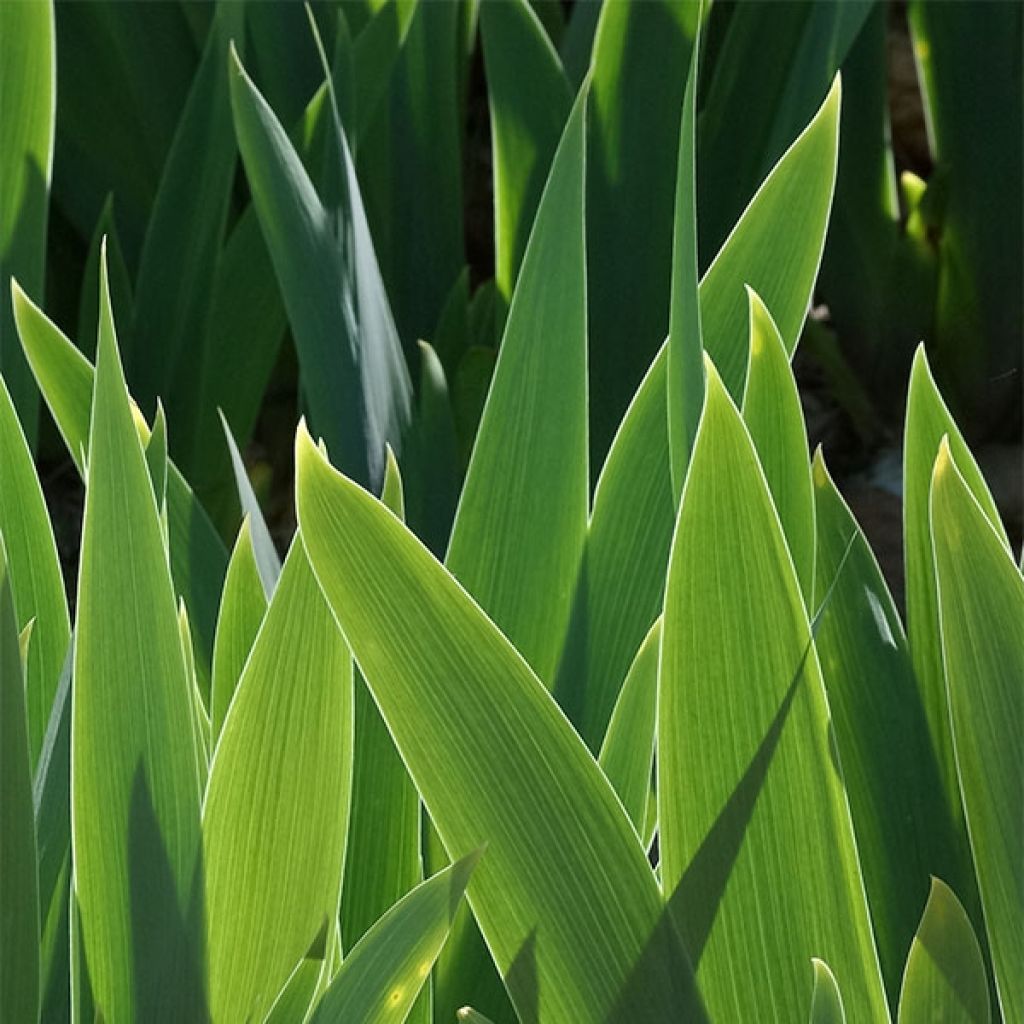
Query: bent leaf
[[564, 898]]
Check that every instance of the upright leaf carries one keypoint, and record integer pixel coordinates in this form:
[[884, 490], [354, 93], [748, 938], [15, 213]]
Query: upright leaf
[[520, 527], [32, 569], [928, 421], [242, 607], [381, 977], [564, 896], [981, 623], [65, 377], [135, 790], [28, 71], [529, 100], [276, 810], [826, 1000], [19, 883], [945, 976], [900, 816], [774, 417], [640, 57], [353, 371], [748, 784]]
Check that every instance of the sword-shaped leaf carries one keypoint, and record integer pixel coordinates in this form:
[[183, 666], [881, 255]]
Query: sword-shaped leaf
[[135, 790], [277, 806], [33, 570], [981, 622], [748, 785], [564, 897]]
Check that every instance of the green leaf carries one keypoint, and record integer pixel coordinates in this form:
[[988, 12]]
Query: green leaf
[[564, 897], [826, 1001], [410, 166], [33, 570], [529, 100], [276, 810], [748, 785], [51, 794], [242, 607], [65, 377], [798, 189], [685, 344], [19, 885], [384, 859], [641, 53], [156, 456], [522, 518], [619, 594], [774, 417], [627, 753], [901, 819], [928, 421], [467, 1015], [120, 281], [27, 116], [135, 791], [382, 976], [177, 267], [981, 610], [267, 559], [945, 976], [773, 66], [352, 367]]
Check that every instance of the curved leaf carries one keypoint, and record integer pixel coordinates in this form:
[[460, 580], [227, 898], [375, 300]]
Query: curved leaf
[[826, 1001], [565, 898]]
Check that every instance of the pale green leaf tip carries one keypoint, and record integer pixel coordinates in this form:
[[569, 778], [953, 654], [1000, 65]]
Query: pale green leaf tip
[[819, 471]]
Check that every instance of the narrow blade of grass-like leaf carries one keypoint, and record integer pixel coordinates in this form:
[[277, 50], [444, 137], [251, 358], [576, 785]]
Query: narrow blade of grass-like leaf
[[800, 186], [177, 267], [640, 57], [826, 1000], [276, 811], [384, 859], [945, 977], [65, 377], [901, 819], [748, 784], [620, 589], [267, 559], [51, 794], [685, 345], [564, 897], [33, 570], [120, 281], [156, 456], [774, 417], [135, 791], [981, 614], [19, 884], [381, 977], [242, 607], [522, 517], [529, 100], [28, 73], [627, 753], [352, 366], [928, 421]]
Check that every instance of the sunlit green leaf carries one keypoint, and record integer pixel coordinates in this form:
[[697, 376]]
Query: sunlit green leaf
[[276, 810], [748, 785], [981, 612], [945, 976], [381, 977], [564, 896], [135, 790], [826, 1001], [19, 886], [32, 569]]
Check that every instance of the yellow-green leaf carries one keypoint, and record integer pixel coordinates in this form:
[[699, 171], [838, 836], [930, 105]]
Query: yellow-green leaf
[[826, 1000]]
